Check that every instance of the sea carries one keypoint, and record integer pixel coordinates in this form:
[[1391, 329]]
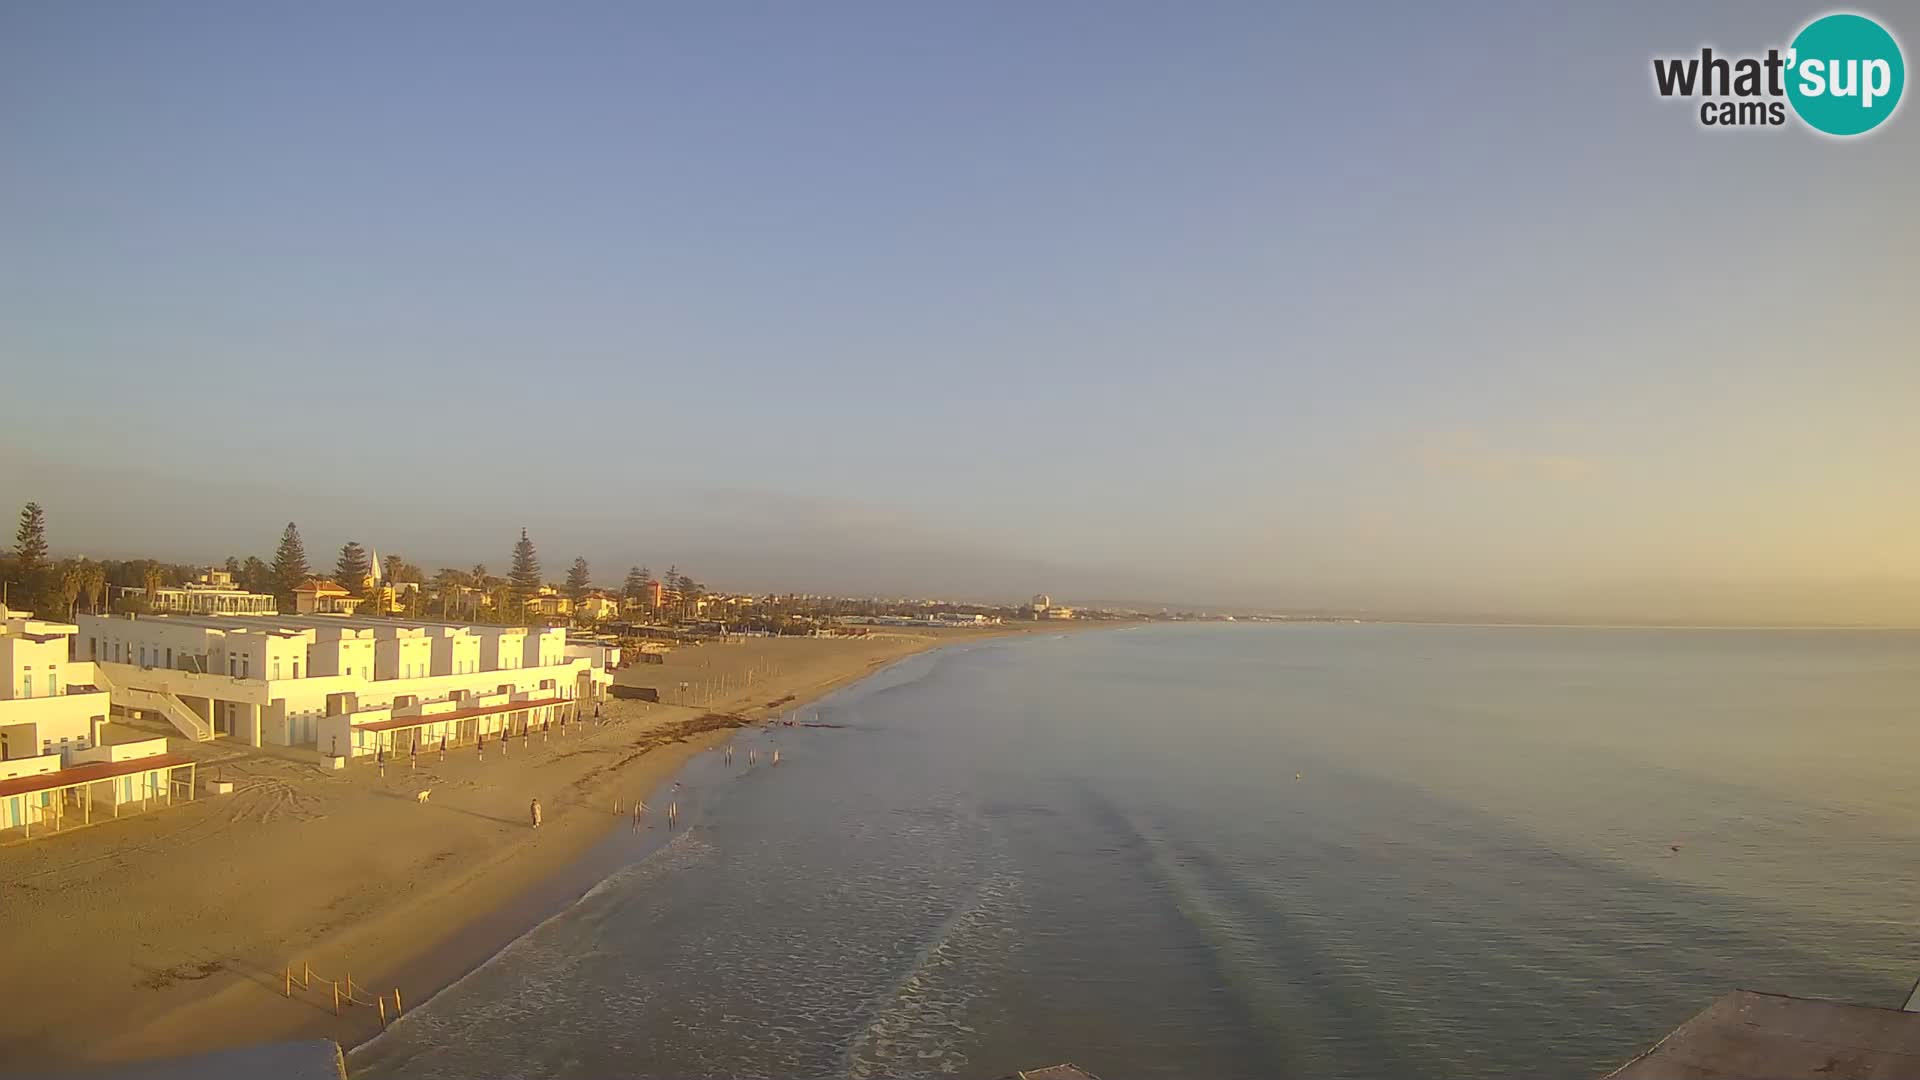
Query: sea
[[1241, 851]]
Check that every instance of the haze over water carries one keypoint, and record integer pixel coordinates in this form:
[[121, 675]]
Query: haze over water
[[1095, 848]]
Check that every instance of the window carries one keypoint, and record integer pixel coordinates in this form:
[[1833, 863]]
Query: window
[[143, 656], [169, 656], [296, 669], [233, 666], [53, 685], [26, 686], [93, 648], [276, 669]]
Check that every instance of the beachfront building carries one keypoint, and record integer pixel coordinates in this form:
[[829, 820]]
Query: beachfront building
[[600, 651], [212, 593], [49, 704], [49, 792], [287, 679], [319, 596]]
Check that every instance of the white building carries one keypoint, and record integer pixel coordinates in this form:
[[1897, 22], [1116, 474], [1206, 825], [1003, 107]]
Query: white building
[[289, 679], [212, 594], [49, 703], [48, 792]]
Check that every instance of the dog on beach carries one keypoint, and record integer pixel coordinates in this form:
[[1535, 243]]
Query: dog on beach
[[423, 796]]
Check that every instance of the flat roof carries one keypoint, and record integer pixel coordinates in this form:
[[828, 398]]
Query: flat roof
[[242, 620], [1751, 1036], [402, 722], [89, 774]]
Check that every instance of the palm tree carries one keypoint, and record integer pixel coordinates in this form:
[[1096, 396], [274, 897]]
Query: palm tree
[[93, 583], [479, 582], [72, 580]]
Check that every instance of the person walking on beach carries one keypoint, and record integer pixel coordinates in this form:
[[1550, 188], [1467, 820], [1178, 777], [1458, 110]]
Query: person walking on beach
[[534, 808]]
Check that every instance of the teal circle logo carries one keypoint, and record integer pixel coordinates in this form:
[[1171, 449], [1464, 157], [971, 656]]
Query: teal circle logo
[[1845, 74]]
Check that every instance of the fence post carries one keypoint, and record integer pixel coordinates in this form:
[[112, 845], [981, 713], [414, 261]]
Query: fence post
[[383, 1010], [289, 989], [396, 1002], [336, 999]]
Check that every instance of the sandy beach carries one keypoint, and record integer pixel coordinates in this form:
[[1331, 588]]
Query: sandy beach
[[171, 931]]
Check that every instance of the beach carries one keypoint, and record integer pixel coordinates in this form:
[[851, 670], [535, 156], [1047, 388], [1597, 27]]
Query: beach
[[173, 931]]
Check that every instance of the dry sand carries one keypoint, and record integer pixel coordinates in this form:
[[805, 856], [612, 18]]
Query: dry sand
[[170, 931]]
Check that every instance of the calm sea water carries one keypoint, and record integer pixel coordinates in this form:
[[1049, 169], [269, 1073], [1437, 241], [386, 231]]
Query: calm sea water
[[1250, 851]]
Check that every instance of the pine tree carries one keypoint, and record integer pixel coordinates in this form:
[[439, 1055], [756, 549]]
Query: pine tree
[[30, 543], [351, 569], [636, 586], [289, 566], [579, 578], [525, 576]]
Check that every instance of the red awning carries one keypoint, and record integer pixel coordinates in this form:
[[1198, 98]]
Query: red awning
[[399, 723], [88, 774]]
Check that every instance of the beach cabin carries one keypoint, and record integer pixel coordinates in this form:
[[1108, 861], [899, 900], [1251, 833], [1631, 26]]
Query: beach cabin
[[38, 795], [389, 732]]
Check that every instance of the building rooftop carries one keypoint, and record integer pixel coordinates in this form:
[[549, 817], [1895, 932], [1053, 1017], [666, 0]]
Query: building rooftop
[[1751, 1036], [88, 774]]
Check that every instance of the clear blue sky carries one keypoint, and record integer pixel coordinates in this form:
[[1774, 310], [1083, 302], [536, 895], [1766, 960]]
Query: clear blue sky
[[1398, 305]]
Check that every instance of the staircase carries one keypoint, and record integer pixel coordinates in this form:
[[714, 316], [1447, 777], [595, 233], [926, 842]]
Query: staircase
[[164, 702]]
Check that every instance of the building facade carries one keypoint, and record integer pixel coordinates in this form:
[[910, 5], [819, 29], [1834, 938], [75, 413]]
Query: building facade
[[321, 597], [278, 679], [49, 703], [213, 593]]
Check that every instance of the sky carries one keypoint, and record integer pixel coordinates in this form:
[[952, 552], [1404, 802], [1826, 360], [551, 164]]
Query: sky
[[1386, 308]]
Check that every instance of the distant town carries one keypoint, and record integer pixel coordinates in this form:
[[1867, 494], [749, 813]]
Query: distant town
[[363, 582]]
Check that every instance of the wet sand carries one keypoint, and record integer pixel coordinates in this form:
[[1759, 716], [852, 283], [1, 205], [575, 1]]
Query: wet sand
[[170, 932]]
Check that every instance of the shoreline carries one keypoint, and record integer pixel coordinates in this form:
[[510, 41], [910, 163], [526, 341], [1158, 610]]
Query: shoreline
[[343, 871], [475, 944]]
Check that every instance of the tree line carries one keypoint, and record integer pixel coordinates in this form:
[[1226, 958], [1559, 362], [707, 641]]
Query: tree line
[[31, 580]]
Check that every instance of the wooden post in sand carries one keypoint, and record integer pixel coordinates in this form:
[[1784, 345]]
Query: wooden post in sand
[[383, 1010], [336, 999], [306, 977], [396, 1002], [288, 992]]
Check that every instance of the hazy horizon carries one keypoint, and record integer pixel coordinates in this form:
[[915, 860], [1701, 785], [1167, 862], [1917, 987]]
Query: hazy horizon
[[1400, 311]]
